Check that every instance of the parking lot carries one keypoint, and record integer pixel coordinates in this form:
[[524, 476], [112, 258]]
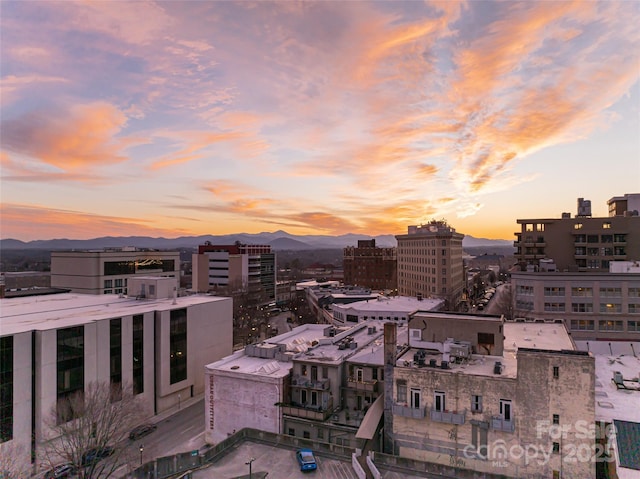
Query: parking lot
[[279, 463]]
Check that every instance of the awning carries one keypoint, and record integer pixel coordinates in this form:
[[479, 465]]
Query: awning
[[371, 419]]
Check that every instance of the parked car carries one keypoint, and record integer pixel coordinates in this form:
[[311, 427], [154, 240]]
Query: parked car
[[142, 430], [93, 455], [60, 471], [306, 459]]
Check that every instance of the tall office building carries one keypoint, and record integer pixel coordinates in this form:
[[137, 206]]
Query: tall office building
[[581, 243], [370, 266], [236, 267], [430, 263]]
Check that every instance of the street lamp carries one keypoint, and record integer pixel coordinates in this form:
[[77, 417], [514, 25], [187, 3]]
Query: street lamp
[[248, 463], [141, 449]]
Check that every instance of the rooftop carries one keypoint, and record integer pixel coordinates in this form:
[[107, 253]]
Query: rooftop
[[18, 315], [611, 357], [405, 304]]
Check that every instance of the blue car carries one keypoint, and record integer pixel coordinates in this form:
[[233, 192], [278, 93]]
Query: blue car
[[306, 459]]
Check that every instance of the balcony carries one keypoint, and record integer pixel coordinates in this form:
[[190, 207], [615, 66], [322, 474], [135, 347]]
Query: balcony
[[500, 424], [447, 417], [304, 382], [366, 386], [406, 411], [315, 413]]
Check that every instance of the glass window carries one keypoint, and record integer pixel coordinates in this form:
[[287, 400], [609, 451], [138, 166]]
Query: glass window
[[611, 292], [604, 325], [178, 345], [402, 392], [554, 291], [634, 308], [138, 354], [554, 307], [439, 403], [115, 363], [6, 388], [581, 307], [610, 308], [70, 372], [476, 403], [633, 326], [582, 325]]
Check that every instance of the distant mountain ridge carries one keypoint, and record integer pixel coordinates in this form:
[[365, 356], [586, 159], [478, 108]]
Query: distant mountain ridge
[[278, 240]]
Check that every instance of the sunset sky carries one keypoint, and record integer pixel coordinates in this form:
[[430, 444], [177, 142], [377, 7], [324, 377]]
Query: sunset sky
[[202, 117]]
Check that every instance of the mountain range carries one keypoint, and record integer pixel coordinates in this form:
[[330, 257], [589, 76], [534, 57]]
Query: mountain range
[[278, 240]]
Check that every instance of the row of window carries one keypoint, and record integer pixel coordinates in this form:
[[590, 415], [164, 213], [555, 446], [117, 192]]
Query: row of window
[[579, 291], [606, 308], [608, 238], [604, 325]]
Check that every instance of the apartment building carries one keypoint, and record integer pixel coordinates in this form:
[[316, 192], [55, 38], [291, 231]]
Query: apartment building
[[487, 395], [593, 305], [370, 266], [582, 243], [430, 263], [316, 382], [236, 267], [158, 346], [108, 271]]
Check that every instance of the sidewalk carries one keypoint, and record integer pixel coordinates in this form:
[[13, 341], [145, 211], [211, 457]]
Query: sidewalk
[[171, 411]]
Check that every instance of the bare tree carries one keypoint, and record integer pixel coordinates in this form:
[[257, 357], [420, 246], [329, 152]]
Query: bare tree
[[10, 465], [503, 303], [90, 429]]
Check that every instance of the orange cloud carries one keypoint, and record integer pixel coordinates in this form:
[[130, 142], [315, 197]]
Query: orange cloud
[[81, 138]]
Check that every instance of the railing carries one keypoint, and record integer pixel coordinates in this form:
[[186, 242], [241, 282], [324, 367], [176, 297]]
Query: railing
[[304, 382], [447, 417], [369, 386], [406, 411], [500, 424], [314, 413]]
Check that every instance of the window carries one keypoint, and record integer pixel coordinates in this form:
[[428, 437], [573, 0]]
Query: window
[[374, 374], [303, 370], [581, 291], [70, 372], [178, 346], [359, 375], [115, 347], [314, 398], [506, 410], [554, 291], [524, 290], [325, 372], [314, 373], [6, 388], [439, 401], [303, 397], [320, 434], [556, 448], [604, 325], [634, 292], [556, 372], [633, 326], [592, 238], [306, 434], [610, 308], [581, 307], [554, 307], [108, 283], [138, 354], [582, 325], [444, 261], [524, 305], [476, 403], [291, 431], [556, 419], [402, 392], [634, 308], [610, 292], [606, 225]]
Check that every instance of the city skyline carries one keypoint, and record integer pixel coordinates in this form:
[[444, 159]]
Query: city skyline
[[189, 118]]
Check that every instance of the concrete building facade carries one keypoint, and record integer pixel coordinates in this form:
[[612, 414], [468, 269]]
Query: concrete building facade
[[430, 263], [370, 266], [237, 267], [594, 305], [108, 271], [389, 308], [57, 345]]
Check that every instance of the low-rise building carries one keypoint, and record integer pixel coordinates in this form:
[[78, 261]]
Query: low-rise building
[[483, 394], [389, 308], [108, 271], [54, 346]]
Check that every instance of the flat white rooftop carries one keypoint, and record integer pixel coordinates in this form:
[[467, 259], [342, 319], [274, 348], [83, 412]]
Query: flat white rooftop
[[615, 356], [401, 304], [547, 336], [18, 315]]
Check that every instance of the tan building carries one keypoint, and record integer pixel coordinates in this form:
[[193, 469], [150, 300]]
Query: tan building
[[602, 306], [490, 396], [581, 243], [430, 263], [108, 271], [370, 266]]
